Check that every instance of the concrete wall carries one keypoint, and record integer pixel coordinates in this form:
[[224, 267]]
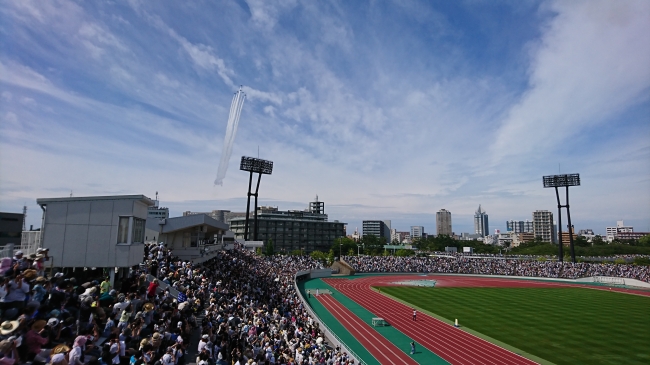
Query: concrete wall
[[84, 233], [343, 268]]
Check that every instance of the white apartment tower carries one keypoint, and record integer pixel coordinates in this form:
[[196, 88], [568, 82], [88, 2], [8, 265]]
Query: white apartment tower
[[543, 225], [443, 222], [612, 232]]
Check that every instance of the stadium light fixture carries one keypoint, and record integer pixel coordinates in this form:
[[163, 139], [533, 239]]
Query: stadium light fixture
[[261, 167], [558, 181]]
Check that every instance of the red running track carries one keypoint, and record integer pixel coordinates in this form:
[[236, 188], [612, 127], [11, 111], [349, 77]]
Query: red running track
[[382, 349], [453, 345]]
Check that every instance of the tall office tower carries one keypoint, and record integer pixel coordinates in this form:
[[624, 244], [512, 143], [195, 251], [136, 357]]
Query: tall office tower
[[443, 222], [416, 232], [543, 227], [377, 228], [481, 226]]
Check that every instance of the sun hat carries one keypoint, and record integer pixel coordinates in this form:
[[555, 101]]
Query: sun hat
[[53, 322], [60, 349], [38, 325], [30, 274], [8, 326]]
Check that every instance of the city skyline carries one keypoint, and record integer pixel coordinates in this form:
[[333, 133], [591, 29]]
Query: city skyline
[[385, 110]]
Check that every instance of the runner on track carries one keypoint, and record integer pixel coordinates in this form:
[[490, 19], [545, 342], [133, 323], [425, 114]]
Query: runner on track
[[415, 313]]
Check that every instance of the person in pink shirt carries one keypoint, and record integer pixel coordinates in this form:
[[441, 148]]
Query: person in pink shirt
[[34, 341], [9, 352]]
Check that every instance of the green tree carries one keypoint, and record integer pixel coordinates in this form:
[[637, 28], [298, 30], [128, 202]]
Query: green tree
[[598, 241], [580, 241], [372, 245], [319, 256], [269, 250], [404, 252], [343, 245]]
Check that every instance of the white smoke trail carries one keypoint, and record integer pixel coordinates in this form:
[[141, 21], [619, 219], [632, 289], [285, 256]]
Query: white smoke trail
[[231, 130]]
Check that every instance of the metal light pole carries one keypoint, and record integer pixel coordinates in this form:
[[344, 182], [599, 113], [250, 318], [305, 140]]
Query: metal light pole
[[555, 181], [259, 166]]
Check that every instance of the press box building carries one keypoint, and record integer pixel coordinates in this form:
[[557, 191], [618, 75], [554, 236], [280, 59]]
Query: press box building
[[95, 231]]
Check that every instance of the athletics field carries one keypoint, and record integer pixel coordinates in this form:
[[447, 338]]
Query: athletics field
[[502, 321]]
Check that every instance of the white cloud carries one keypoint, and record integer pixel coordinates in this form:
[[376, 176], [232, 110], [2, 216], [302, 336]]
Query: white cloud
[[378, 128], [265, 14], [591, 63]]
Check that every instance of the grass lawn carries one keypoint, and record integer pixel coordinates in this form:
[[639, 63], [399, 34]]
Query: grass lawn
[[560, 325]]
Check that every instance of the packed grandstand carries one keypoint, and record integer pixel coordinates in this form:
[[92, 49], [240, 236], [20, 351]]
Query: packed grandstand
[[242, 307]]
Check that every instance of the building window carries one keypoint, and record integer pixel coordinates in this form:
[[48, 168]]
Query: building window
[[123, 230], [138, 230]]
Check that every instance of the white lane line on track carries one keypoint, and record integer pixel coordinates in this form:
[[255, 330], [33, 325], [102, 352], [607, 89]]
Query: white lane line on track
[[443, 349], [504, 354], [467, 357], [483, 349], [359, 325], [441, 327]]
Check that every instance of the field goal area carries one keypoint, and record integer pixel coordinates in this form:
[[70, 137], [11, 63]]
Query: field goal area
[[609, 280], [376, 322]]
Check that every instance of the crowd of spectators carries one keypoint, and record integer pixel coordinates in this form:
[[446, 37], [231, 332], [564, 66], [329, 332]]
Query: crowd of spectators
[[459, 264], [241, 307]]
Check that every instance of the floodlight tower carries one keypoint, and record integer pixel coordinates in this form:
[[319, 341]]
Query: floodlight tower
[[259, 166], [555, 181]]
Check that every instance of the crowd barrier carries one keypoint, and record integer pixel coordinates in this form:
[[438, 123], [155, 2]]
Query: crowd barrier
[[335, 340]]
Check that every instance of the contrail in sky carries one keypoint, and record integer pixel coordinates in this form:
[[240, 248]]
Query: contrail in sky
[[231, 131]]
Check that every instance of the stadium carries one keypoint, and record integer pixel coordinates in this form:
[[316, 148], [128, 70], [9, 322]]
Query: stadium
[[240, 307]]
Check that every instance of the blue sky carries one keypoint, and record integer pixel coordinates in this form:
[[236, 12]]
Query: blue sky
[[385, 109]]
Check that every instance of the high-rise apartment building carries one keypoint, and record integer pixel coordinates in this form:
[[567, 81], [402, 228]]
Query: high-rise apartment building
[[443, 223], [543, 227], [481, 226], [378, 229], [519, 226]]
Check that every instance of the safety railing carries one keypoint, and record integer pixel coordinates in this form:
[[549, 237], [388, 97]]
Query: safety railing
[[326, 330]]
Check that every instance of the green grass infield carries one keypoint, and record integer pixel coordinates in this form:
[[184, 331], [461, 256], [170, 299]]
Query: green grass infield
[[559, 325]]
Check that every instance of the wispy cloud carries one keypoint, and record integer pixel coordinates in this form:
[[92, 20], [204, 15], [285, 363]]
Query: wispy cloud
[[385, 110]]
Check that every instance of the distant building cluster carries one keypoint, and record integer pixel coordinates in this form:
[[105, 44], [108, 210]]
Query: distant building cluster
[[105, 231]]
